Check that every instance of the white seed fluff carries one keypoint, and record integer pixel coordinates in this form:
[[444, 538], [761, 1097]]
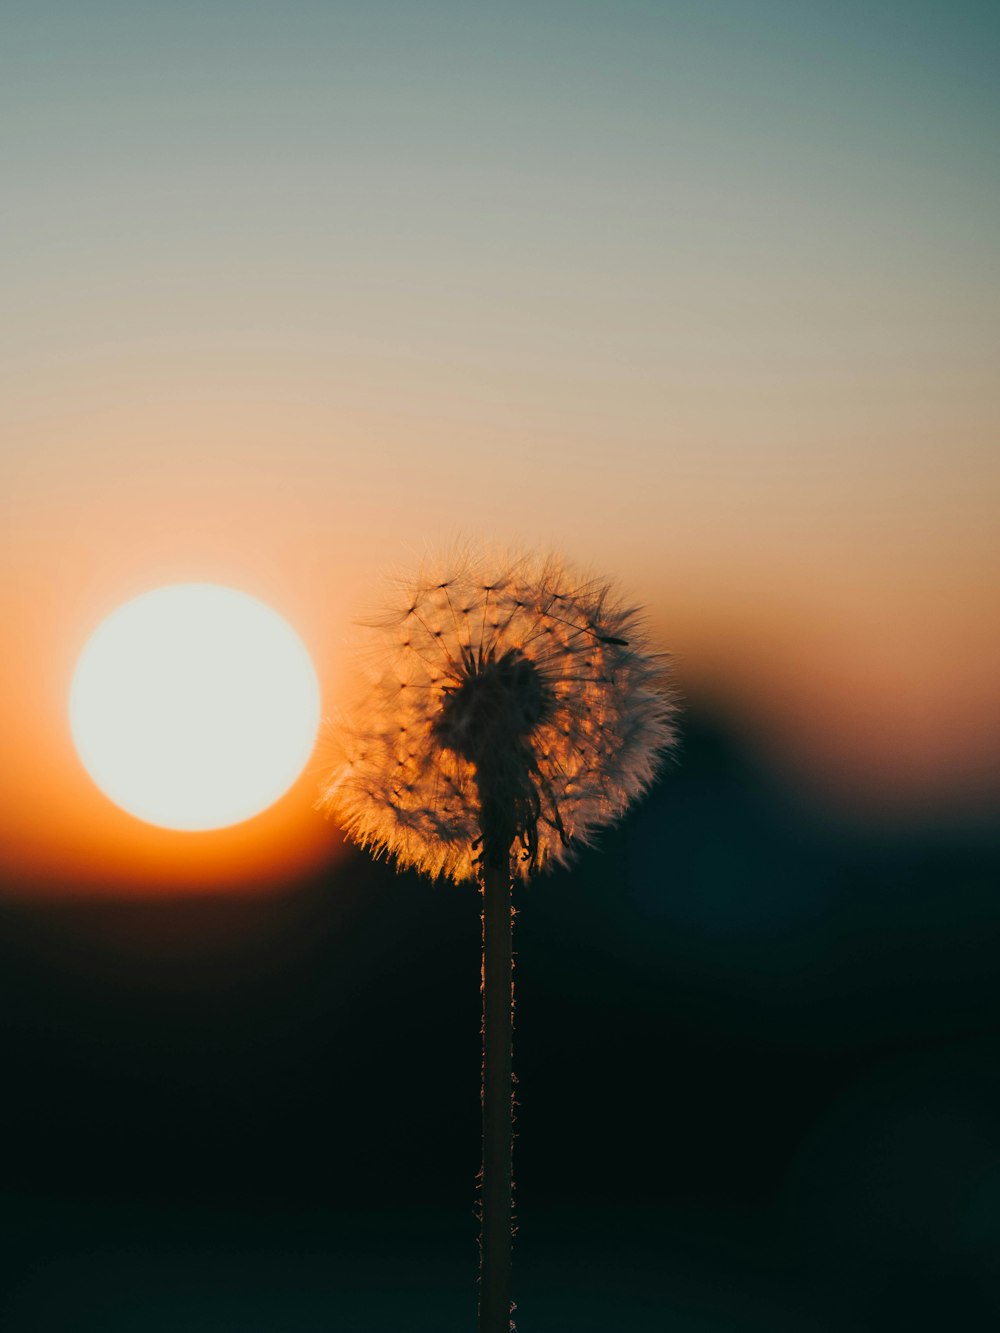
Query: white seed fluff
[[592, 724]]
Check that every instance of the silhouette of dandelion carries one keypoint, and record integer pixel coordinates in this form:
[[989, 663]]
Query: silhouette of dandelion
[[518, 686], [510, 711]]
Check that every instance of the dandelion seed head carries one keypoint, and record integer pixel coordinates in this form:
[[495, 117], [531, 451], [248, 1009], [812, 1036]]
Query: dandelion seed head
[[507, 696]]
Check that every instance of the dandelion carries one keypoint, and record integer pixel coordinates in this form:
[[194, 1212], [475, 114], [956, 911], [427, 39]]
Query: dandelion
[[510, 711]]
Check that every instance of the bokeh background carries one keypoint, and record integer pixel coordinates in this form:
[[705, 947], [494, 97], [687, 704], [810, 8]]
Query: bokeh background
[[703, 296]]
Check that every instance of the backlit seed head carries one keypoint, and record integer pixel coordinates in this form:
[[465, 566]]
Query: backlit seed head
[[508, 698]]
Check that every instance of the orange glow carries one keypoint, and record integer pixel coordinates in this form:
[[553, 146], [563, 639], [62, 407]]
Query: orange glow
[[854, 636], [60, 833]]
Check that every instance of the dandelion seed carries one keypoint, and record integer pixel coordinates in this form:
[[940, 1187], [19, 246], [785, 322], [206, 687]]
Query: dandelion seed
[[567, 722]]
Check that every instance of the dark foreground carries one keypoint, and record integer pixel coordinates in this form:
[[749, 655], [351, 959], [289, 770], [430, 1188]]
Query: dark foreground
[[759, 1064]]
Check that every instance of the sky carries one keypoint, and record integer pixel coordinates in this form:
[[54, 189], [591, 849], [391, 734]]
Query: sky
[[702, 296]]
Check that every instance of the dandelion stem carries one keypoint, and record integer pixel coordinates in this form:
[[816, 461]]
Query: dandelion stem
[[497, 985]]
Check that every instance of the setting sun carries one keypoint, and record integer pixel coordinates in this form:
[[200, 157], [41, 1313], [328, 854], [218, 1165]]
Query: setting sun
[[194, 706]]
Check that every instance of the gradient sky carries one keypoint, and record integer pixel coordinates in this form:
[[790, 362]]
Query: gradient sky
[[702, 295]]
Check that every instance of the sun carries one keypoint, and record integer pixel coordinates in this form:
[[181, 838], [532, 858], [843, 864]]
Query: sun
[[194, 706]]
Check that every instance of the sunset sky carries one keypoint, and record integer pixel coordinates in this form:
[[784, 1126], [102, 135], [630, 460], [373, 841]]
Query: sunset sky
[[703, 296]]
